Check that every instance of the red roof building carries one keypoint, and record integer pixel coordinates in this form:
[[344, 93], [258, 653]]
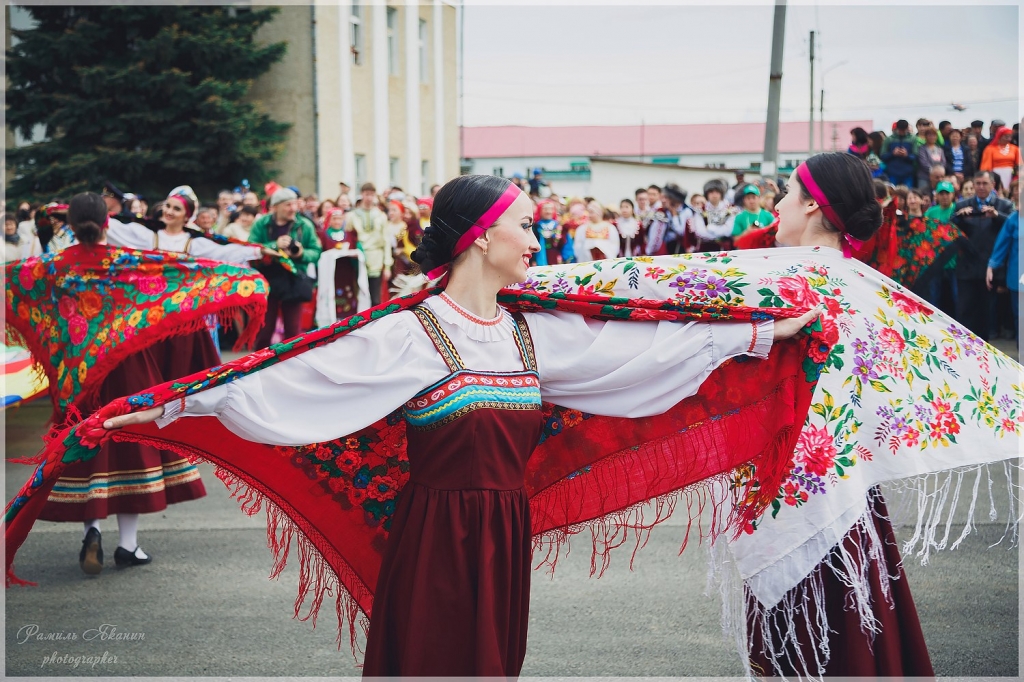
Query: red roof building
[[708, 139]]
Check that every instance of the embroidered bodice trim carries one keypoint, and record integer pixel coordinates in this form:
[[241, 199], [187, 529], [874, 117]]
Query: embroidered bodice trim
[[465, 390]]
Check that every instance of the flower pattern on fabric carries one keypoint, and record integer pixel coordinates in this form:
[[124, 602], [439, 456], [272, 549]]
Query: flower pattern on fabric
[[80, 310], [363, 471], [876, 359], [925, 246]]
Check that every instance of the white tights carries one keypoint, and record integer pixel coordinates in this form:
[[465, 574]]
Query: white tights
[[127, 530]]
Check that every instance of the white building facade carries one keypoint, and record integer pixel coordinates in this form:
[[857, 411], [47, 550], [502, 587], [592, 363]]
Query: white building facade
[[370, 89]]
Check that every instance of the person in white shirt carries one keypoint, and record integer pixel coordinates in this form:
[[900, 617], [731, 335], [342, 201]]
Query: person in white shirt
[[16, 245], [174, 236], [241, 223], [597, 238]]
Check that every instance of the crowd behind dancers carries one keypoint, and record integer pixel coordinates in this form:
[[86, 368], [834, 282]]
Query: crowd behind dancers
[[941, 173]]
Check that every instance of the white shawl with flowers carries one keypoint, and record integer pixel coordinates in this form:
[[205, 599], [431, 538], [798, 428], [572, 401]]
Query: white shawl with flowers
[[906, 393]]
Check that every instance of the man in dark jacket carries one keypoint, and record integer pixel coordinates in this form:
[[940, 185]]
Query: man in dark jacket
[[899, 152], [286, 230], [983, 142], [980, 218]]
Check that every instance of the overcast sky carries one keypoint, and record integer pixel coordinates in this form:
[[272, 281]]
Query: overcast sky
[[578, 65]]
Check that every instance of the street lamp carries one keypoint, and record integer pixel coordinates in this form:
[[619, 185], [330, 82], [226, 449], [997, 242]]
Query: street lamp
[[821, 105]]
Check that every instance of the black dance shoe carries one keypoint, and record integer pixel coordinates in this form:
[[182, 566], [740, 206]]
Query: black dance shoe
[[122, 557], [91, 556]]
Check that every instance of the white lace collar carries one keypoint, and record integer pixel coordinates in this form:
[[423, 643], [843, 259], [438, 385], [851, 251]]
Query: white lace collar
[[454, 314]]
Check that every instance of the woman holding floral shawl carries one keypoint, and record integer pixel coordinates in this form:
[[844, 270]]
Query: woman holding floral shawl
[[94, 317], [831, 203], [452, 594]]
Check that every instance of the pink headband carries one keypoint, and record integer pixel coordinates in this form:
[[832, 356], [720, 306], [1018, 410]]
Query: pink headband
[[485, 222], [804, 174], [184, 202]]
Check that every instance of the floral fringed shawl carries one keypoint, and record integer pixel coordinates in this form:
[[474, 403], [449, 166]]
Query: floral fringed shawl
[[82, 310]]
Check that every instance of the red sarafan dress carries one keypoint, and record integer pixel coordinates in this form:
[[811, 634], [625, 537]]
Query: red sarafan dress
[[125, 478], [453, 594]]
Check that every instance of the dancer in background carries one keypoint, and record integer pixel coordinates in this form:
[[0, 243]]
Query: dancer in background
[[95, 318], [831, 203], [713, 226]]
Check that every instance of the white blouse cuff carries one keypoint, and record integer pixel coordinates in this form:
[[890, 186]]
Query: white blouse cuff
[[171, 412], [729, 339], [764, 333], [211, 401]]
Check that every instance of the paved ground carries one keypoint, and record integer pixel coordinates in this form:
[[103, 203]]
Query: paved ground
[[205, 607]]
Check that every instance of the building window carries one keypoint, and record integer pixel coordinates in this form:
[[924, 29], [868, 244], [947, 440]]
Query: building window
[[356, 27], [424, 178], [394, 170], [424, 57], [499, 171], [392, 41], [360, 170]]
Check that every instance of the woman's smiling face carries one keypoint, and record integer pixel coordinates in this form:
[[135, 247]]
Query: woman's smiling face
[[174, 212], [511, 242]]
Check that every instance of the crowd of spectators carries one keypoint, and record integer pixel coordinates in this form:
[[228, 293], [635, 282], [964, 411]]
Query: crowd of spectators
[[945, 174]]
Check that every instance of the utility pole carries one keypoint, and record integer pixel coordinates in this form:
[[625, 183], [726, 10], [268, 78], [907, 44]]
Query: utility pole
[[810, 127], [770, 162], [642, 127], [821, 120]]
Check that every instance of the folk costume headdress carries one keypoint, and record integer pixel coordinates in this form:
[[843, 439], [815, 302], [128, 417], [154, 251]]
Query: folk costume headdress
[[184, 195], [883, 388]]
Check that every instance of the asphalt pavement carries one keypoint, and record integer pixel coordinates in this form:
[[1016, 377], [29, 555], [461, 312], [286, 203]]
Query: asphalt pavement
[[205, 607]]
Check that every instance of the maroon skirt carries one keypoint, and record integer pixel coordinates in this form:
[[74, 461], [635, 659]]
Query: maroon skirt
[[131, 478], [898, 650]]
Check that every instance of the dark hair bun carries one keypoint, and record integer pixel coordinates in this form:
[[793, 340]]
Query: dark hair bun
[[865, 221], [87, 214], [88, 232], [457, 206], [430, 253], [846, 182]]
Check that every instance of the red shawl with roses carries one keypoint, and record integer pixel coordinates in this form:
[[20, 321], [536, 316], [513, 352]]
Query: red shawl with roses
[[589, 473], [82, 310]]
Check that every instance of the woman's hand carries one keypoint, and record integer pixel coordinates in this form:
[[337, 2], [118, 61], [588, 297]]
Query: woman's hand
[[269, 252], [787, 328], [144, 417]]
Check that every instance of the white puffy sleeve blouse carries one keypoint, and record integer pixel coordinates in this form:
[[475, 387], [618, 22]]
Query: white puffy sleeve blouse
[[614, 368]]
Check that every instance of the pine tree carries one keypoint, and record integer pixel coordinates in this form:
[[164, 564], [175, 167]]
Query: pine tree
[[148, 97]]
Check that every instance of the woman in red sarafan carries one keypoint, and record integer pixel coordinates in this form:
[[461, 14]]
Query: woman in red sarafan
[[452, 593], [831, 202], [106, 318]]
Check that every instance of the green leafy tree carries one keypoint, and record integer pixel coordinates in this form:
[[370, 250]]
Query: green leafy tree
[[147, 97]]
